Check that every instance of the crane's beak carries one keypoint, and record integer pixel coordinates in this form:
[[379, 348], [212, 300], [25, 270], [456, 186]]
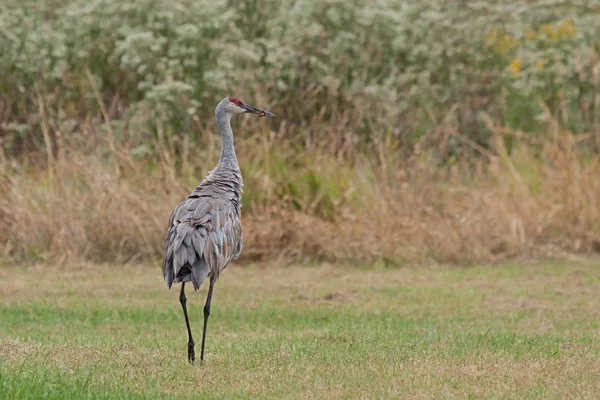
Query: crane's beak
[[258, 111]]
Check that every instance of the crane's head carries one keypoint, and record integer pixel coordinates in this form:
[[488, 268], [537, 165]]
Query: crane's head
[[233, 105]]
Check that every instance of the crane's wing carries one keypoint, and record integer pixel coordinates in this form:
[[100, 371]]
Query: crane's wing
[[204, 235]]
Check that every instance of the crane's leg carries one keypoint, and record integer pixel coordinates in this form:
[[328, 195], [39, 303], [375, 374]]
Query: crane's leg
[[206, 314], [182, 299]]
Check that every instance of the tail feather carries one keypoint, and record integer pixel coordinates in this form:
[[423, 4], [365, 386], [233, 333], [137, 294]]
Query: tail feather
[[200, 271], [169, 276]]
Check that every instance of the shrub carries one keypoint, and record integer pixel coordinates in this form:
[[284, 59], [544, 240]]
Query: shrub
[[398, 67]]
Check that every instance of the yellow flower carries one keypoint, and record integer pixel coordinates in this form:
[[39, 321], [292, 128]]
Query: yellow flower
[[492, 36], [540, 64], [566, 28], [548, 31], [530, 34], [515, 67], [500, 41]]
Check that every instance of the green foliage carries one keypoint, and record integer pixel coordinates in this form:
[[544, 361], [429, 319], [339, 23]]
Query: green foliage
[[395, 63], [297, 179]]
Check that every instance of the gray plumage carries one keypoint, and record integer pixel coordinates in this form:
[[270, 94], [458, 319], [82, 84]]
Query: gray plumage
[[205, 230]]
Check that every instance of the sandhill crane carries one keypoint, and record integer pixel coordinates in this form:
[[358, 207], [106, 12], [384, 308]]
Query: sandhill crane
[[205, 231]]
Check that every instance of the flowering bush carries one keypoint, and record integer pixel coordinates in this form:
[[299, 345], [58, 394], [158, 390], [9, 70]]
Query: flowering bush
[[397, 68]]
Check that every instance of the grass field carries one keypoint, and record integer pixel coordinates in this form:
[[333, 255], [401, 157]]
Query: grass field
[[88, 331]]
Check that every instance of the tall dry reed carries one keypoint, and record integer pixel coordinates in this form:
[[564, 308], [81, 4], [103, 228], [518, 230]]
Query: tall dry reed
[[101, 203]]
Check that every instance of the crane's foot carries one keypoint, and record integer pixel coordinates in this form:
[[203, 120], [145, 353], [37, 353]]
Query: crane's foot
[[191, 352]]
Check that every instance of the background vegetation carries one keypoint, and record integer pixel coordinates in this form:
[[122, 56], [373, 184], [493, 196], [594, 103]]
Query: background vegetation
[[408, 131]]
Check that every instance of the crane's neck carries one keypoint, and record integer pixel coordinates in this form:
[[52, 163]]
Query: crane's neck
[[228, 158]]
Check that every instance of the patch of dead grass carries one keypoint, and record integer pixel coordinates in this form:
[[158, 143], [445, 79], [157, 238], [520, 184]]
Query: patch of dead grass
[[16, 349], [477, 211]]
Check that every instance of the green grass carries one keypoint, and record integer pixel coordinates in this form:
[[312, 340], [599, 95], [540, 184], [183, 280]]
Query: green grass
[[303, 332]]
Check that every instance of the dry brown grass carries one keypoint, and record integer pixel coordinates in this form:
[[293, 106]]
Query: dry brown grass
[[540, 200]]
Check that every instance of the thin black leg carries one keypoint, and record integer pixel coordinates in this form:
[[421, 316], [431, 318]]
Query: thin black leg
[[182, 299], [206, 314]]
